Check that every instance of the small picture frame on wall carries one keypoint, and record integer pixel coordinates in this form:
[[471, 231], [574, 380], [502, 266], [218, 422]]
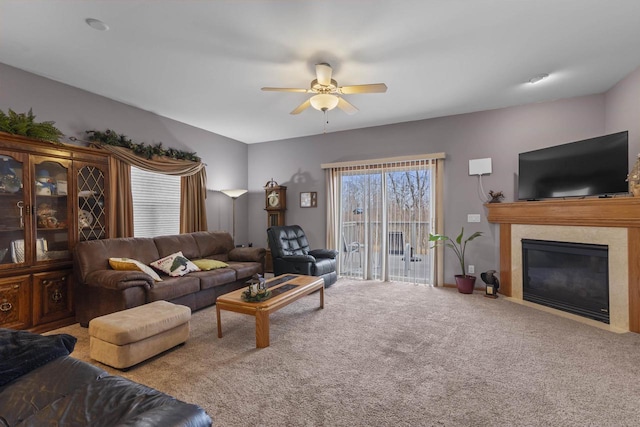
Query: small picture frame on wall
[[309, 199]]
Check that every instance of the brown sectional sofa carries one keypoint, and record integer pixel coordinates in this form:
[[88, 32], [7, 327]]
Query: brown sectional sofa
[[101, 290]]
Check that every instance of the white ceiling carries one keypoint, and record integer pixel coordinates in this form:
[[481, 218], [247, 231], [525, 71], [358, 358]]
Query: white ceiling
[[204, 62]]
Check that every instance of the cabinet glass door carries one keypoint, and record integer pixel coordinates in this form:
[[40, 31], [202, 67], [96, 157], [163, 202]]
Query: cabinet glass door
[[12, 209], [52, 210], [92, 212]]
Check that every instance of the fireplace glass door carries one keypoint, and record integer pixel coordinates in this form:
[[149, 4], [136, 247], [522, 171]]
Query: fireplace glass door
[[573, 277]]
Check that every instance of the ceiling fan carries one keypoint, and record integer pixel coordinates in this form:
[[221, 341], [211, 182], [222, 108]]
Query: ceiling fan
[[327, 92]]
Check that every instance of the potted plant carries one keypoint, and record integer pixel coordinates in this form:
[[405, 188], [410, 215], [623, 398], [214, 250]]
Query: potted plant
[[464, 282]]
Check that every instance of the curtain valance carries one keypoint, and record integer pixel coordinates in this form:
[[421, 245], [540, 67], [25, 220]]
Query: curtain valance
[[193, 214], [165, 165]]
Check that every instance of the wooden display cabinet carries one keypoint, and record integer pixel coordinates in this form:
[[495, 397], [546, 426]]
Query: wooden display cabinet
[[52, 297], [51, 197], [15, 302]]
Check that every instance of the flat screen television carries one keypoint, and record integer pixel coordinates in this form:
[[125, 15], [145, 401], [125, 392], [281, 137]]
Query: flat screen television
[[592, 167]]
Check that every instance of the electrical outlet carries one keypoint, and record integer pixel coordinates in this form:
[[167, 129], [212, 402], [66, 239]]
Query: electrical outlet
[[472, 269], [473, 217]]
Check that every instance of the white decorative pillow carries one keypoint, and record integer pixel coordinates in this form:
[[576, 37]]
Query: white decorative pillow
[[175, 265], [133, 265]]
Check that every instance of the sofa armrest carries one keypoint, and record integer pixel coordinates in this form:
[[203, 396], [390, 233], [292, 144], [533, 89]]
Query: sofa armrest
[[179, 414], [247, 254], [324, 253], [118, 279], [298, 258]]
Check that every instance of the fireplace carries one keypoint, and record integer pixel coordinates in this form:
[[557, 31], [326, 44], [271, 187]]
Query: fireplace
[[572, 277], [613, 222]]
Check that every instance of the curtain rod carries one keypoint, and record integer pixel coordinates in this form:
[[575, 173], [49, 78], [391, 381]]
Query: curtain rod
[[383, 160]]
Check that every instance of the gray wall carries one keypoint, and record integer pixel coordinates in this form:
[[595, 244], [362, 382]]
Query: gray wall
[[623, 111], [499, 134], [74, 111]]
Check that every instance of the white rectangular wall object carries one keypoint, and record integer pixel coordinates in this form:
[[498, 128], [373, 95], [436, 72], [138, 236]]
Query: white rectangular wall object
[[480, 166]]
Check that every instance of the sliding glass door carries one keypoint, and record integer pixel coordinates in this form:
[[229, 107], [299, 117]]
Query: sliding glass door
[[386, 214]]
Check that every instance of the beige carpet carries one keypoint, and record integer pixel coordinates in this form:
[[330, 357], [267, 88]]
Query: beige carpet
[[391, 354]]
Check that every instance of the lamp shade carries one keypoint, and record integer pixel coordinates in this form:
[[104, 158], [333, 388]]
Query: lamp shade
[[324, 101], [234, 193]]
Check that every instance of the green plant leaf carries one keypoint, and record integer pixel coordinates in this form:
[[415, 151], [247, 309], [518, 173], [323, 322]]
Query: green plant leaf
[[474, 235], [25, 125], [437, 237], [457, 246]]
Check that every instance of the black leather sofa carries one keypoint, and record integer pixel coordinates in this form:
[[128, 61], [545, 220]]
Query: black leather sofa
[[41, 385], [290, 253]]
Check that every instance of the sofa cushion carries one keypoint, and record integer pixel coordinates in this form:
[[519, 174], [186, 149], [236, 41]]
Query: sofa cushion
[[214, 244], [173, 287], [52, 381], [92, 255], [128, 264], [69, 392], [213, 278], [245, 270], [209, 264], [175, 265], [168, 245]]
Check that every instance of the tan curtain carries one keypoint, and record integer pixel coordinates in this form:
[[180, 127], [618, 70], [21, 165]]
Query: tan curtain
[[333, 212], [193, 216], [121, 207], [193, 210], [438, 263]]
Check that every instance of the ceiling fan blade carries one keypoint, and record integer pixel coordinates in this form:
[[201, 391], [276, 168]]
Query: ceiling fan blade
[[346, 106], [323, 74], [284, 89], [300, 108], [371, 88]]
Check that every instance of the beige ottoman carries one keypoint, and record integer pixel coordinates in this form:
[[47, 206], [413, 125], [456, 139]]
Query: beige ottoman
[[125, 338]]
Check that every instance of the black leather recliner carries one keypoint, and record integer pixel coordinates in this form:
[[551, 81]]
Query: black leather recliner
[[290, 253]]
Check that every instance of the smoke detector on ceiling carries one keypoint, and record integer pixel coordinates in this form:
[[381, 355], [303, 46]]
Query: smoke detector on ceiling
[[536, 79], [97, 24]]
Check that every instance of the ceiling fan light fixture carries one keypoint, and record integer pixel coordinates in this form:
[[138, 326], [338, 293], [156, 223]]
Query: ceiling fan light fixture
[[324, 102]]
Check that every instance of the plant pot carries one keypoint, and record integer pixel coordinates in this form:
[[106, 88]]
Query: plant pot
[[465, 283]]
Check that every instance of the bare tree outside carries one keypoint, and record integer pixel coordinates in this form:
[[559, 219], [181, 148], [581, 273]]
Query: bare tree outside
[[407, 211]]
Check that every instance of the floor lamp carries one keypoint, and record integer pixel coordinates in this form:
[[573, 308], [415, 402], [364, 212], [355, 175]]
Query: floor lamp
[[234, 194]]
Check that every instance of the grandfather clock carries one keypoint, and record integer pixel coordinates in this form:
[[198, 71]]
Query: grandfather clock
[[275, 200], [275, 203]]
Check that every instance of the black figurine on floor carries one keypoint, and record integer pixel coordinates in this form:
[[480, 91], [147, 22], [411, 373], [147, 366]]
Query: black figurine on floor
[[493, 284]]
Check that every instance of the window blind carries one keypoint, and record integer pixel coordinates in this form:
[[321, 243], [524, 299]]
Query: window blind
[[156, 203]]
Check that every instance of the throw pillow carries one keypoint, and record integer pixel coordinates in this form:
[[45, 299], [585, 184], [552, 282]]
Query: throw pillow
[[209, 264], [128, 264], [175, 265]]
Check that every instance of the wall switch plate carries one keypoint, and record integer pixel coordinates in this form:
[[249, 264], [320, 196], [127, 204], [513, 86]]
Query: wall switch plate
[[480, 166], [472, 269], [473, 218]]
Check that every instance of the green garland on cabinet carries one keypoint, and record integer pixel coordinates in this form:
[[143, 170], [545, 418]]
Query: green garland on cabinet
[[110, 137], [24, 124]]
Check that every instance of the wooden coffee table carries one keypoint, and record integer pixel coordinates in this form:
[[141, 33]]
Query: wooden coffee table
[[285, 289]]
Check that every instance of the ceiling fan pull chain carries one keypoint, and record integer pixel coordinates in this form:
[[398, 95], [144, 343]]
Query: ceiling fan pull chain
[[326, 120]]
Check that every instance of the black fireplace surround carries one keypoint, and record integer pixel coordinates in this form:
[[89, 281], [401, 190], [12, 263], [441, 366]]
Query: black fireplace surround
[[573, 277]]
